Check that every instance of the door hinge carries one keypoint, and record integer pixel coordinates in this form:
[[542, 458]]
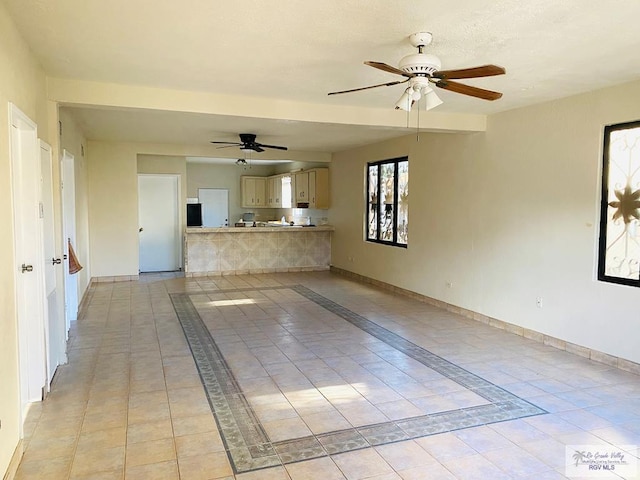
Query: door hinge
[[60, 126]]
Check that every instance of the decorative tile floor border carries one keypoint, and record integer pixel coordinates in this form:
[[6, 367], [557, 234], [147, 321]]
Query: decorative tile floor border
[[246, 442]]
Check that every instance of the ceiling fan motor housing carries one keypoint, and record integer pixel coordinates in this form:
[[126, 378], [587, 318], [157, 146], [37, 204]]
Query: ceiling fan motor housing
[[420, 64], [248, 137]]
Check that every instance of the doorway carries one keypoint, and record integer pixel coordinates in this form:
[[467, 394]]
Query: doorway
[[69, 228], [159, 223], [29, 257]]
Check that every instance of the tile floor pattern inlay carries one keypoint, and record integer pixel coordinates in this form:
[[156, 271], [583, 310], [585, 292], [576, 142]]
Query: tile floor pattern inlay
[[320, 377], [248, 445]]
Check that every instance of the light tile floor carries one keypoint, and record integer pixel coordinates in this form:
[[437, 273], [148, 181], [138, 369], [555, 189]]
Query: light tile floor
[[315, 377]]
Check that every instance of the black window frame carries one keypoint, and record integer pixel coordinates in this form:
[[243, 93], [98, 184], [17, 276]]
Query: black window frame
[[604, 207], [379, 163]]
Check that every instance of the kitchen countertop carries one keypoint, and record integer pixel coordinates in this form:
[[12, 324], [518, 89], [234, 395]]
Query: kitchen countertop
[[275, 228]]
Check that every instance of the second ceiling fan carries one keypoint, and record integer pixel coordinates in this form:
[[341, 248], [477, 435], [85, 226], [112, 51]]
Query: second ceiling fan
[[248, 143], [421, 70]]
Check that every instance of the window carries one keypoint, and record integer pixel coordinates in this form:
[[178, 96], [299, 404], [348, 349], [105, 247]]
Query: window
[[619, 253], [286, 191], [388, 201]]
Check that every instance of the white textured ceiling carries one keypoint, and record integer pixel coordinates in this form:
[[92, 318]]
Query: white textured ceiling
[[301, 50]]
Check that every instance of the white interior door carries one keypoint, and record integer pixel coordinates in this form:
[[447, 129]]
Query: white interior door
[[215, 206], [29, 258], [158, 216], [54, 328], [69, 229]]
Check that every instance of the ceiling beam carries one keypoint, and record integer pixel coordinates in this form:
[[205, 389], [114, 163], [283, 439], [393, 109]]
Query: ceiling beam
[[109, 95]]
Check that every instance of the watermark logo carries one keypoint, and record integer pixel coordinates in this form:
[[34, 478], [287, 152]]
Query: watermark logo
[[601, 461]]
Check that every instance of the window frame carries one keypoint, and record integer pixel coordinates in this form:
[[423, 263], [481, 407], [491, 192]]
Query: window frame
[[604, 206], [380, 204]]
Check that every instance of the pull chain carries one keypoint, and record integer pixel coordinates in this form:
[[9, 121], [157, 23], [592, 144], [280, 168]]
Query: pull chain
[[418, 122]]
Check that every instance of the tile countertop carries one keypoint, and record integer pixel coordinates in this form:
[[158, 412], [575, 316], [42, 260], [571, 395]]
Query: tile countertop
[[280, 228]]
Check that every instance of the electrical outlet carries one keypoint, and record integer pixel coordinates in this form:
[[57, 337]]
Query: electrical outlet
[[539, 302]]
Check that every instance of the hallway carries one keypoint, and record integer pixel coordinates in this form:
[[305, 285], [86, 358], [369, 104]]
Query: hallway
[[312, 376]]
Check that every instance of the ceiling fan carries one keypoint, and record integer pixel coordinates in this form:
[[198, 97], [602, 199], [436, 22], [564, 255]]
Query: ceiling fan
[[248, 143], [423, 69]]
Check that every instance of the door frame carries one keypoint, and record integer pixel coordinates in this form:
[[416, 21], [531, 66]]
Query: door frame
[[68, 194], [179, 216], [32, 355]]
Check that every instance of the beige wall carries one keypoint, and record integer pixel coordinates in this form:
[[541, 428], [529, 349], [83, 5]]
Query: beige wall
[[22, 82], [506, 217], [113, 208]]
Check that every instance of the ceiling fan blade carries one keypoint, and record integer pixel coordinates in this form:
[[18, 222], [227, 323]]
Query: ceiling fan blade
[[228, 143], [468, 90], [277, 147], [389, 68], [473, 72], [372, 86], [230, 146], [256, 148]]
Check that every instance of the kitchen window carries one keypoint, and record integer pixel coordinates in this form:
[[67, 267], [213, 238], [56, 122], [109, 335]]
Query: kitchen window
[[388, 201], [619, 252]]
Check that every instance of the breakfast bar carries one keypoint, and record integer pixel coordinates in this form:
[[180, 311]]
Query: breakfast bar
[[261, 249]]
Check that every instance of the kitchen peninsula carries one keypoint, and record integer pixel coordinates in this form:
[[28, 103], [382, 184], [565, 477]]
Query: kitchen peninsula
[[242, 250]]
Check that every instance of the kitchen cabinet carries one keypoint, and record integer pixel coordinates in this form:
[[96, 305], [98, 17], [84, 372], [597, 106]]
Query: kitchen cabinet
[[274, 188], [312, 188], [302, 187], [253, 191]]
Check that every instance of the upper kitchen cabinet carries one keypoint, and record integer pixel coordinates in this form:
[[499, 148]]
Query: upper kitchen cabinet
[[254, 191], [301, 182], [312, 188], [274, 189], [304, 189]]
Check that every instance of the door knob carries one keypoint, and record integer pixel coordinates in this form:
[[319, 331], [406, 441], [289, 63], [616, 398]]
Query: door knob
[[56, 261], [27, 268], [140, 229]]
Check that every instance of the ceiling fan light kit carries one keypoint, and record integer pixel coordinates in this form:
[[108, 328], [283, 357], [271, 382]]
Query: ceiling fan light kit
[[406, 101], [432, 100], [413, 94], [422, 69]]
